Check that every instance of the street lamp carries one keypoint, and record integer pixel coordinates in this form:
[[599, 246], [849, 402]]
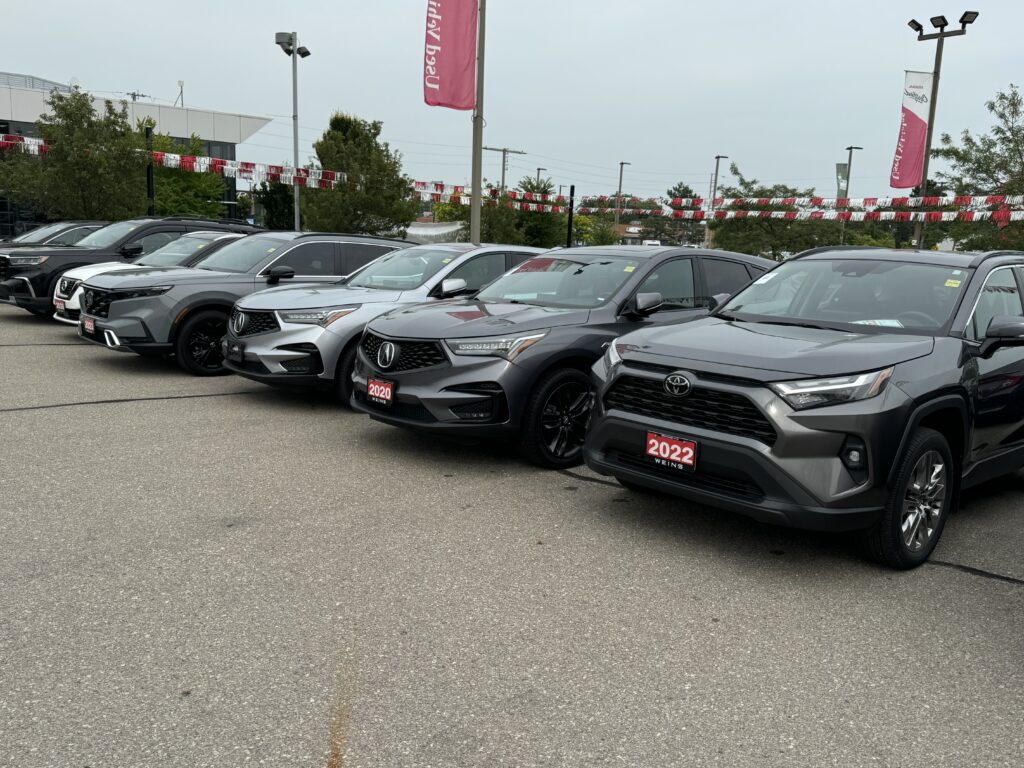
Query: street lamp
[[618, 195], [538, 173], [846, 189], [289, 43], [711, 202], [940, 23]]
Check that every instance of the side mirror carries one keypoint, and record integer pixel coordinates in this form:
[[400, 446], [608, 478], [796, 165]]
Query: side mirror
[[131, 250], [1003, 331], [452, 286], [647, 304], [277, 274], [717, 300]]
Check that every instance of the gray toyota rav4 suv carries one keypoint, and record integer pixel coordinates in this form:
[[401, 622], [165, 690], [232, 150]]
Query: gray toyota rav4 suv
[[307, 336], [184, 311]]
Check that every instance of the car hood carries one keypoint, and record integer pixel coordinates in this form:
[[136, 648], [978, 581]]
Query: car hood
[[144, 277], [84, 273], [314, 297], [776, 349], [456, 319]]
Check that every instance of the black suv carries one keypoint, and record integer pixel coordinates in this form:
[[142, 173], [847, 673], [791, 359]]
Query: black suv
[[844, 390], [29, 276], [58, 233]]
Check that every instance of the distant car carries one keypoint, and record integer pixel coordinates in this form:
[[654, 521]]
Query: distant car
[[307, 336], [186, 251], [184, 311], [512, 363], [29, 276], [58, 233]]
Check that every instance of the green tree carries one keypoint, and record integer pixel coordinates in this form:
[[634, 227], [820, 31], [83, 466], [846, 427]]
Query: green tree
[[94, 167], [278, 205], [183, 193], [376, 198], [601, 232]]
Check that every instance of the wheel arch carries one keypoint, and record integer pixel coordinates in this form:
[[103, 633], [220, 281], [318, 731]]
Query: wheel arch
[[179, 320], [949, 416]]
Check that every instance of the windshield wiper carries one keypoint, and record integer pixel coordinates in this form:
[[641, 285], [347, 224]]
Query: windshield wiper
[[794, 324]]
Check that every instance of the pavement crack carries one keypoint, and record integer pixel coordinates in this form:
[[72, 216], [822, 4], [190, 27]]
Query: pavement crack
[[120, 400], [976, 572], [570, 473]]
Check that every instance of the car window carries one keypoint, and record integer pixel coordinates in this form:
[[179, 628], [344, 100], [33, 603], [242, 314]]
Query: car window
[[674, 281], [39, 234], [243, 255], [405, 269], [480, 270], [310, 259], [562, 282], [72, 236], [515, 258], [176, 253], [357, 255], [724, 276], [110, 234], [999, 296], [155, 240]]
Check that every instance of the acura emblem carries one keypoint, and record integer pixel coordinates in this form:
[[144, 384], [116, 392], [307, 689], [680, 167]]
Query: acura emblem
[[238, 323], [677, 385], [386, 355]]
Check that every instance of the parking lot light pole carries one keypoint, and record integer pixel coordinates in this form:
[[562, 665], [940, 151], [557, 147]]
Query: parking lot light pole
[[940, 23], [289, 43], [846, 190], [618, 195], [538, 173], [709, 236]]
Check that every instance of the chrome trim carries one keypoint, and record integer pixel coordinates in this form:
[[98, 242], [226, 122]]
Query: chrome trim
[[977, 299], [27, 282]]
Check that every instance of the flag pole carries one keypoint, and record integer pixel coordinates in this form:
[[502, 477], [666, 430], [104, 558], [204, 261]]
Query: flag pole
[[478, 129]]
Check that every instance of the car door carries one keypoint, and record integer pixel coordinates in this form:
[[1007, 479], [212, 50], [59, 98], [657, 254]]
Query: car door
[[313, 262], [677, 280], [999, 391]]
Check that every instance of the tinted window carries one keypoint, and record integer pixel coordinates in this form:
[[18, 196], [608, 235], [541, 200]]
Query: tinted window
[[724, 276], [1000, 296], [562, 282], [155, 240], [111, 233], [357, 255], [407, 268], [243, 255], [480, 270], [310, 259], [674, 281]]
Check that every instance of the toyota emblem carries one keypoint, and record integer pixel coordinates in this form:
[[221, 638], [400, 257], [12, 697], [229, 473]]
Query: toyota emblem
[[238, 323], [386, 355], [677, 385]]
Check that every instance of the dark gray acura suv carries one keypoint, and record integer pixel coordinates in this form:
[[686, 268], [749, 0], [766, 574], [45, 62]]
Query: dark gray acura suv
[[512, 362], [184, 311], [844, 390]]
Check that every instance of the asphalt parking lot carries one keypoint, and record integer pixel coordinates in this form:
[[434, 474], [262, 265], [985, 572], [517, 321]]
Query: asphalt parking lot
[[206, 572]]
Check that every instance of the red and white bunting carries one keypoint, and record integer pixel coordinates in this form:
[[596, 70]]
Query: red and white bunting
[[930, 216], [622, 211], [534, 197], [439, 187]]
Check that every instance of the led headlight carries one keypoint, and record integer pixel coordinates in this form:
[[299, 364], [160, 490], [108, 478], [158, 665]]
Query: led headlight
[[509, 347], [321, 317], [26, 261], [142, 293], [812, 393], [613, 353]]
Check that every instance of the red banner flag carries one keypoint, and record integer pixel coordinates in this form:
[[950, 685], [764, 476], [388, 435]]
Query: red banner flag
[[909, 160], [449, 54]]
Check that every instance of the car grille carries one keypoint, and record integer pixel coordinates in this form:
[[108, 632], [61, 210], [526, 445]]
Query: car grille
[[96, 302], [411, 355], [4, 267], [255, 322], [726, 412], [701, 479], [66, 287]]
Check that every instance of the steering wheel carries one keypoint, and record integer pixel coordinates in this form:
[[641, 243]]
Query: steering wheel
[[928, 319]]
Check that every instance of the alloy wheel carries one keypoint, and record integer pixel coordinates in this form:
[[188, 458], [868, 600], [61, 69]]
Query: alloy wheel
[[204, 344], [564, 419], [923, 501]]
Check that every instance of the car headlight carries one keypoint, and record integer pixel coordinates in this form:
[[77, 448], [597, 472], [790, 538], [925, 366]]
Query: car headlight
[[812, 393], [26, 261], [509, 347], [322, 317], [141, 293], [614, 350]]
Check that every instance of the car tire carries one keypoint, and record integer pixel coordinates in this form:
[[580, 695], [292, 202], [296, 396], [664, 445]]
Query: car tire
[[197, 347], [921, 498], [343, 374], [556, 418]]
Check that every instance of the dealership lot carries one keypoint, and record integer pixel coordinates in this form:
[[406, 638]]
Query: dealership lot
[[209, 572]]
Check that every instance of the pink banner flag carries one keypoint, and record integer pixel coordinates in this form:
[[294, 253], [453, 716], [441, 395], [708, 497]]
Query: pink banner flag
[[910, 147], [449, 54]]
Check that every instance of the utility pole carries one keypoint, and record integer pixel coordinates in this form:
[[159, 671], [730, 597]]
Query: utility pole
[[709, 235], [618, 195], [846, 192], [478, 128], [505, 152], [940, 23], [538, 173], [136, 95], [150, 183], [289, 43], [181, 94], [572, 201]]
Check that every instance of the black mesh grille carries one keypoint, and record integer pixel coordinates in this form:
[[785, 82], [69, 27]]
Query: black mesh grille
[[66, 287], [411, 355], [726, 412], [702, 479], [255, 322], [96, 302]]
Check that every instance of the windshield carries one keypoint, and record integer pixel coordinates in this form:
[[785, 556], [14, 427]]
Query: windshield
[[894, 296], [110, 234], [175, 253], [561, 282], [405, 269], [242, 255], [38, 234]]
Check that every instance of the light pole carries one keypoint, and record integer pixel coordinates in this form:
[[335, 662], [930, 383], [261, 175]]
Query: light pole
[[538, 173], [289, 43], [711, 202], [846, 190], [940, 23], [618, 195]]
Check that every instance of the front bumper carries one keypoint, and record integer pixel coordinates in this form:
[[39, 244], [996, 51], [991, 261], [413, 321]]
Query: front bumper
[[19, 291], [292, 356], [122, 335], [799, 480], [486, 391]]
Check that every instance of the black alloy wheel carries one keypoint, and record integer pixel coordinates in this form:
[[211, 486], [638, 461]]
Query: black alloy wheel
[[198, 346], [556, 419]]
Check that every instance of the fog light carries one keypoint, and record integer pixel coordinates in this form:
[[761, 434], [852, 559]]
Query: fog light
[[853, 457]]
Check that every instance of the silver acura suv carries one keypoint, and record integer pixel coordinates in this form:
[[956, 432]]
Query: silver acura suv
[[306, 336]]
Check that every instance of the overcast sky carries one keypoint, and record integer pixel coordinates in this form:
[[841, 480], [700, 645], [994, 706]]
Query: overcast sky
[[779, 87]]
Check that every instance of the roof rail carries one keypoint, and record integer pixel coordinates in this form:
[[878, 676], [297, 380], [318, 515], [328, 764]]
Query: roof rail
[[348, 234], [982, 257]]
